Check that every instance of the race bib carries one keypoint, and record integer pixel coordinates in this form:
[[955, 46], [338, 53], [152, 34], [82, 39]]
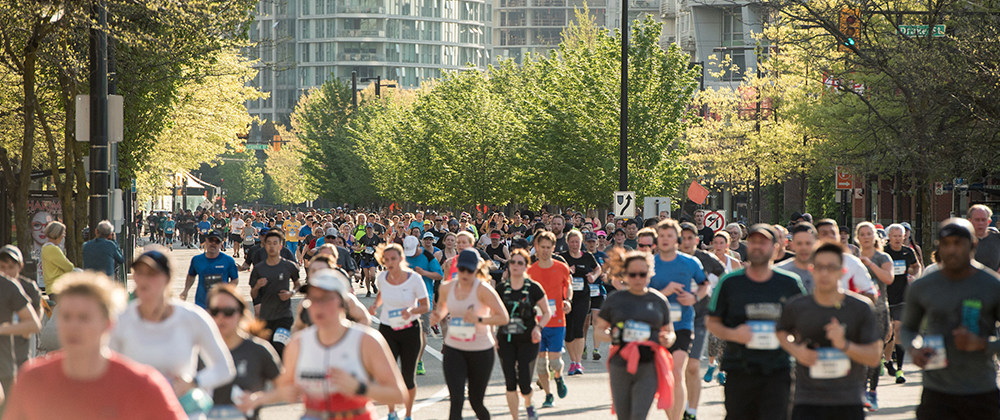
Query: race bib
[[938, 360], [830, 364], [282, 335], [396, 321], [763, 335], [460, 330], [898, 267], [552, 306], [595, 289], [212, 280], [369, 250], [578, 283], [676, 313], [636, 331]]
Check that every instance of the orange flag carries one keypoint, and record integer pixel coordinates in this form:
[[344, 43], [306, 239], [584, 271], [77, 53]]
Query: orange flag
[[697, 193]]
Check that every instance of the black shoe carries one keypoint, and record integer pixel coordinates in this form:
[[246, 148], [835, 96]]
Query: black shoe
[[890, 368]]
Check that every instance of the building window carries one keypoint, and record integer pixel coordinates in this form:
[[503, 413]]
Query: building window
[[732, 36]]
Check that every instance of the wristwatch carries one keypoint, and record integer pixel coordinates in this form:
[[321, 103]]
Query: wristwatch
[[362, 388]]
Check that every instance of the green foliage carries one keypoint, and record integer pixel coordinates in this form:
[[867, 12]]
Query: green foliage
[[243, 177]]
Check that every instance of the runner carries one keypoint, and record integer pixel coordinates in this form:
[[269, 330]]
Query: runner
[[879, 266], [597, 291], [518, 341], [366, 246], [236, 233], [639, 366], [988, 243], [340, 368], [272, 285], [422, 261], [690, 241], [956, 311], [11, 264], [736, 244], [211, 267], [171, 335], [468, 348], [631, 231], [585, 271], [257, 364], [76, 382], [221, 225], [674, 275], [836, 337], [856, 277], [803, 242], [204, 228], [743, 311], [17, 315], [554, 277], [905, 269], [168, 232], [403, 298]]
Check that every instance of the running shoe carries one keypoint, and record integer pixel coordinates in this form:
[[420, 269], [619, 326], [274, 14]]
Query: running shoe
[[420, 368], [393, 416], [369, 294], [721, 377], [709, 374], [867, 400], [436, 330], [872, 401], [531, 412], [574, 369], [549, 401], [561, 387], [375, 288], [899, 377], [409, 418], [596, 355], [689, 416], [889, 367], [579, 369]]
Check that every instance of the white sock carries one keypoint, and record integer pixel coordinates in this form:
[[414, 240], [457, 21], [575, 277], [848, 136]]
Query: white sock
[[692, 411]]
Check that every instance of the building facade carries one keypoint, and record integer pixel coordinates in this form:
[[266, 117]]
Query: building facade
[[523, 27]]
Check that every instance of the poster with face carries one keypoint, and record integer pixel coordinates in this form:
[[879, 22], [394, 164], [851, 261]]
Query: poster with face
[[41, 211]]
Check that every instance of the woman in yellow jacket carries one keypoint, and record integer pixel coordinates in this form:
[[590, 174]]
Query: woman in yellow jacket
[[54, 261]]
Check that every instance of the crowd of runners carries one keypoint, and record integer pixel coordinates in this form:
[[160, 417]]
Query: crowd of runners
[[797, 321]]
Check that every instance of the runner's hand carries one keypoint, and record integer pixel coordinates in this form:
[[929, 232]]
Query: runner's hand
[[966, 341], [667, 338], [742, 334], [805, 356], [685, 298], [920, 356], [567, 307], [672, 288], [835, 333], [285, 294], [184, 295], [536, 334], [261, 282], [342, 381]]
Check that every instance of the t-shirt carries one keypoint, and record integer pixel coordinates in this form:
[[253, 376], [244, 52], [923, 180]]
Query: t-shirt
[[291, 228], [631, 243], [804, 274], [521, 309], [901, 261], [741, 249], [738, 299], [238, 225], [126, 391], [713, 267], [369, 243], [204, 227], [878, 259], [221, 269], [633, 316], [12, 300], [554, 280], [707, 235], [279, 277], [256, 363], [22, 345], [401, 296], [806, 319], [683, 269], [561, 246], [259, 254], [305, 232], [220, 225], [425, 260], [857, 279], [169, 227], [988, 251], [785, 257], [584, 265]]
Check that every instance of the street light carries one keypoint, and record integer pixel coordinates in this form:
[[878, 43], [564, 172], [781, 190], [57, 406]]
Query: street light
[[378, 85]]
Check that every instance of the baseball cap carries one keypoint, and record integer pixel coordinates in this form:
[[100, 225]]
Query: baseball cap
[[795, 216], [13, 252], [369, 226], [619, 230], [332, 232], [331, 280], [428, 222], [453, 222], [469, 260], [762, 229], [601, 233], [956, 227], [589, 236], [214, 234], [495, 234], [906, 226], [428, 235], [410, 245], [155, 258]]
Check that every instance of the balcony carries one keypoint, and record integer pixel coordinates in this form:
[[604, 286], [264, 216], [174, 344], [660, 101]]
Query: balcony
[[361, 9], [549, 3], [668, 9], [360, 57], [513, 3], [360, 33], [642, 4]]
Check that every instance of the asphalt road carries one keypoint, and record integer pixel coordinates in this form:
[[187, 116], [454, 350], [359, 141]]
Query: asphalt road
[[589, 394]]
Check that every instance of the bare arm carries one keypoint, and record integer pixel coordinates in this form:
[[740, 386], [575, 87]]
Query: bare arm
[[498, 313], [27, 324]]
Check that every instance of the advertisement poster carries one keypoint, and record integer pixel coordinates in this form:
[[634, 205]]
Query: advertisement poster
[[41, 211]]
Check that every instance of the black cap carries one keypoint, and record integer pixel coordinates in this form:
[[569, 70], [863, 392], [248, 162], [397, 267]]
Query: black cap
[[155, 258], [468, 259], [956, 227], [214, 234], [762, 229], [690, 227], [795, 216]]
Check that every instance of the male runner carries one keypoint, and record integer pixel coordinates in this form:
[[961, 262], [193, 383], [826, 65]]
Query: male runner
[[554, 277], [714, 270], [211, 267]]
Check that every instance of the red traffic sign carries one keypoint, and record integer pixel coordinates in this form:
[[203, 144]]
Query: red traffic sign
[[715, 221], [844, 179]]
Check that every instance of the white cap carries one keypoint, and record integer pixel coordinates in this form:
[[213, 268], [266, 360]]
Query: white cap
[[410, 244], [328, 279]]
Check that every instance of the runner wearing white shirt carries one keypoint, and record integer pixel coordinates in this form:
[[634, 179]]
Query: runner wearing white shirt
[[235, 233], [856, 277]]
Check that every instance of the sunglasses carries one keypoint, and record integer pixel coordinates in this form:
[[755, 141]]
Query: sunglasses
[[216, 240], [644, 245], [227, 312], [642, 274], [464, 270], [518, 263]]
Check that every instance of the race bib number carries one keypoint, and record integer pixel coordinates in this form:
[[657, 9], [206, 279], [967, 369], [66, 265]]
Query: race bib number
[[396, 321], [898, 267], [830, 364], [282, 335], [636, 331], [369, 250], [939, 359], [212, 280], [763, 335], [578, 283], [595, 289], [460, 330], [676, 313], [552, 306]]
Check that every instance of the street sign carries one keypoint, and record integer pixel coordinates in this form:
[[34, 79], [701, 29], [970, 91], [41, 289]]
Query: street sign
[[624, 204], [715, 221], [652, 206], [258, 146], [918, 31], [116, 115], [844, 179], [938, 188]]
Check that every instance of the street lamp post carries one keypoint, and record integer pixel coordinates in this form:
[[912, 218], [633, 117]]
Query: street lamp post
[[623, 122]]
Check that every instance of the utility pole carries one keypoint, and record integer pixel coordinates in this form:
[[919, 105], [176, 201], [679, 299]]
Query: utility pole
[[99, 156], [354, 89], [623, 123]]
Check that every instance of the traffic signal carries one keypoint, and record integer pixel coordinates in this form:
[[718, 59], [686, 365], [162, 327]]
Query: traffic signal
[[850, 27]]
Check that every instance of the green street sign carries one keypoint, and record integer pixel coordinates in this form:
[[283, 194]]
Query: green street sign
[[912, 31], [258, 146]]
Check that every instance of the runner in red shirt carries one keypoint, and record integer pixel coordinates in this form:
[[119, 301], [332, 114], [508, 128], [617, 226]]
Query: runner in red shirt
[[86, 380], [554, 277]]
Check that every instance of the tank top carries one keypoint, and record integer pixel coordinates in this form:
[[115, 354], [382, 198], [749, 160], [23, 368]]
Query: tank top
[[462, 336], [315, 360]]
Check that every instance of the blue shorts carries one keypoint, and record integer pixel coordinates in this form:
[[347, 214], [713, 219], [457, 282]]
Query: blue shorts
[[552, 339]]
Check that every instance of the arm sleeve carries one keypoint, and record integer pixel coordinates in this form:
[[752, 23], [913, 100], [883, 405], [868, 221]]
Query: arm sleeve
[[119, 258], [219, 368], [786, 322], [192, 270], [434, 266], [294, 270], [420, 288], [699, 272], [234, 273], [59, 258]]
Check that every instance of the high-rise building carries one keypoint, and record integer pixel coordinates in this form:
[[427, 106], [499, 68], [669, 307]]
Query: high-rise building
[[302, 43], [707, 28], [536, 26]]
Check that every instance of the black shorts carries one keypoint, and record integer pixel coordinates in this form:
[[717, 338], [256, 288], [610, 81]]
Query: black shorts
[[576, 317], [235, 238], [595, 302], [169, 235], [896, 311], [202, 238], [938, 405], [684, 341]]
